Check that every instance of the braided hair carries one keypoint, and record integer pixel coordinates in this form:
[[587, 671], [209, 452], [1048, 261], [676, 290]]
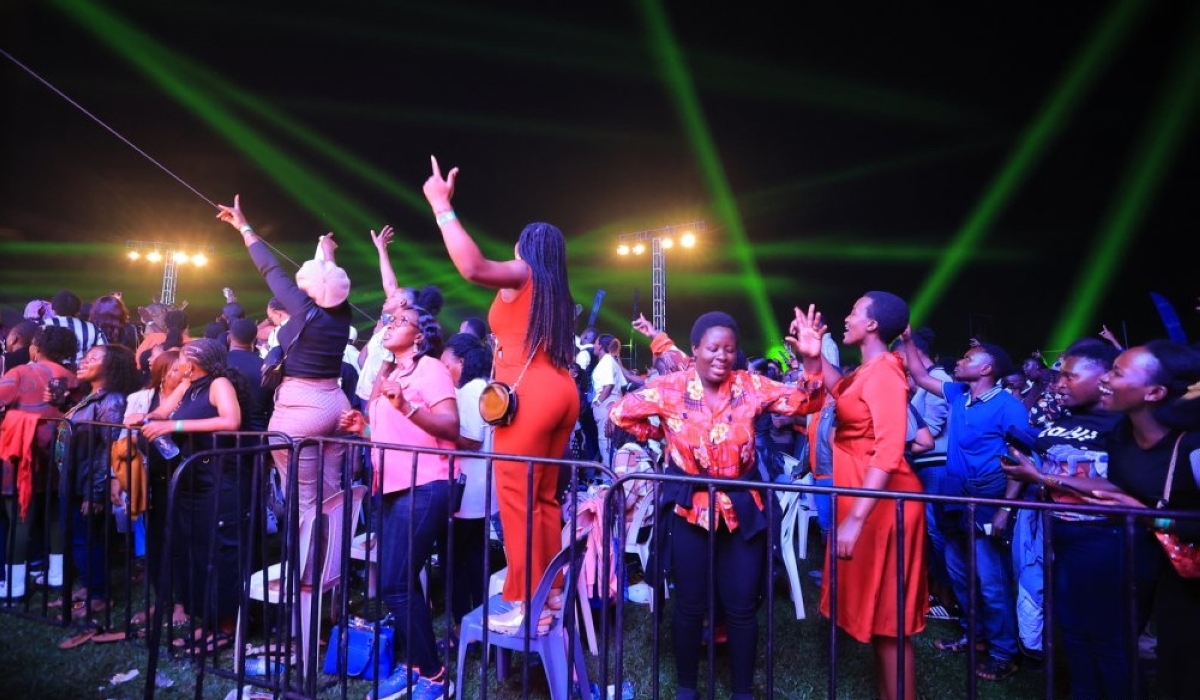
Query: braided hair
[[431, 342], [552, 313], [210, 355]]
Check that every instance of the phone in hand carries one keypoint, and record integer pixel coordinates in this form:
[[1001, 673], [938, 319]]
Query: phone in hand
[[1008, 459], [58, 389]]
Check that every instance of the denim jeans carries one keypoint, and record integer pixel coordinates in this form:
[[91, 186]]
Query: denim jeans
[[995, 609], [421, 513], [931, 480], [1027, 571], [1091, 604]]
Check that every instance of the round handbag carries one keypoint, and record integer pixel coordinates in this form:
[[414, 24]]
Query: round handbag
[[498, 403]]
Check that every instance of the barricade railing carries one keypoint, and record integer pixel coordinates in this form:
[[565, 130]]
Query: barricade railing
[[256, 551]]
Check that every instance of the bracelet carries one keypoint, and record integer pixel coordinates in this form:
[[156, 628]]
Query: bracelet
[[446, 217], [412, 411], [179, 426], [1164, 524], [246, 230]]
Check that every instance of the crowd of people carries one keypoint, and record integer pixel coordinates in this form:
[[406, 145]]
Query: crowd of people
[[1106, 425]]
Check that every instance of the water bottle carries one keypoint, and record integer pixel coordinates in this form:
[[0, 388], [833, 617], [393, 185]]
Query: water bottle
[[166, 446], [259, 666]]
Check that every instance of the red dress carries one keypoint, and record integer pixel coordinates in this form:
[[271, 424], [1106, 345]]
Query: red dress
[[872, 419]]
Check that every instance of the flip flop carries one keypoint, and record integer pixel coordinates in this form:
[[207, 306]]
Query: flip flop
[[77, 596], [114, 636], [83, 636]]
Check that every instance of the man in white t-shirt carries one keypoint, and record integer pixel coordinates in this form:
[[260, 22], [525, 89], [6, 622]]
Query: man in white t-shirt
[[608, 382]]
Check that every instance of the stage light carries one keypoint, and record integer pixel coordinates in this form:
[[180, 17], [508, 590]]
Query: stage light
[[668, 243], [154, 256], [134, 255], [180, 257], [622, 249], [199, 259], [638, 249], [688, 240], [661, 240]]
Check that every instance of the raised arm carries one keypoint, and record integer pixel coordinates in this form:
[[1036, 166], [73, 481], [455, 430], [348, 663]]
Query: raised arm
[[386, 274], [916, 369], [464, 252], [805, 333]]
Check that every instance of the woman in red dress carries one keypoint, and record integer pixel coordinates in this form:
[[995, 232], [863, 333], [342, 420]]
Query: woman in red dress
[[868, 453], [533, 320]]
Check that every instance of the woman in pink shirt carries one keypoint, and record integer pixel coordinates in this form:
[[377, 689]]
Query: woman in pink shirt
[[413, 404]]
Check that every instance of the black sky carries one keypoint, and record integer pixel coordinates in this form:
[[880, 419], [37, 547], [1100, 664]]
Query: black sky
[[861, 128]]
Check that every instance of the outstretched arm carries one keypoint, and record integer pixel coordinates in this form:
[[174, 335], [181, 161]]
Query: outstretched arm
[[386, 274], [805, 333], [467, 257], [916, 369]]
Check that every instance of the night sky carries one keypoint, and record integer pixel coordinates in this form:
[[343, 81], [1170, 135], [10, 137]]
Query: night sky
[[1026, 171]]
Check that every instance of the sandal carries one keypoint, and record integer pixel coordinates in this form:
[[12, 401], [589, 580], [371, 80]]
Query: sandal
[[77, 596], [993, 669], [80, 637], [204, 645], [957, 645]]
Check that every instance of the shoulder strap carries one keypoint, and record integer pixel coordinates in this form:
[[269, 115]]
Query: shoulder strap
[[1171, 472], [307, 317]]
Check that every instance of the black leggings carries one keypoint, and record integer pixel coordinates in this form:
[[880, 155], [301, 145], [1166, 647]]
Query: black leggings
[[738, 568]]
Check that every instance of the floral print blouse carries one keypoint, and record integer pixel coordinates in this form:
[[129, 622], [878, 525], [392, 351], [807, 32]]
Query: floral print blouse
[[718, 443]]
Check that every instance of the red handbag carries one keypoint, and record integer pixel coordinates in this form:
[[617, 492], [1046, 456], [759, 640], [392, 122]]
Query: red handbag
[[1184, 556]]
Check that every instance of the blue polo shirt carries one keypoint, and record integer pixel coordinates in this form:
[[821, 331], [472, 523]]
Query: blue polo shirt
[[976, 429]]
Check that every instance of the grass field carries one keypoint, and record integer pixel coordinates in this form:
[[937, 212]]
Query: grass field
[[799, 664]]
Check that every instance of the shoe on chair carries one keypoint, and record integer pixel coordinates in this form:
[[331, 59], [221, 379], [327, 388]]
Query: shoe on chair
[[509, 622]]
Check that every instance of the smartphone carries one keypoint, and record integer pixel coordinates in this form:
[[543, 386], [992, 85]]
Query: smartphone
[[58, 389], [1008, 459]]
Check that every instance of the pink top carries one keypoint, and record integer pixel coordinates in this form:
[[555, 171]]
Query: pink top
[[426, 385]]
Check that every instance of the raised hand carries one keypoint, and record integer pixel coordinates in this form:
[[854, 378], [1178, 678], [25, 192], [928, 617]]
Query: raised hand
[[805, 332], [643, 326], [233, 215], [383, 238], [439, 190]]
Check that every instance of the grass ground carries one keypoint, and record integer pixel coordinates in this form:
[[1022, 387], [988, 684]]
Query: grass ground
[[799, 664]]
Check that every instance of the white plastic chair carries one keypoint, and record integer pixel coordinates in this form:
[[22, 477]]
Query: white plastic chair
[[798, 509], [270, 585]]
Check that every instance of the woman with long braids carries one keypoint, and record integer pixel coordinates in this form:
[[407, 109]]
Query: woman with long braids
[[211, 398], [532, 317]]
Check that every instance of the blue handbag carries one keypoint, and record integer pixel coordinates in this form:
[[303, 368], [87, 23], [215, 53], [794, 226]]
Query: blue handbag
[[362, 654]]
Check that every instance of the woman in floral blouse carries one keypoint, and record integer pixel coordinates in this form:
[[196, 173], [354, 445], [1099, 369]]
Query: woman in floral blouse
[[706, 417]]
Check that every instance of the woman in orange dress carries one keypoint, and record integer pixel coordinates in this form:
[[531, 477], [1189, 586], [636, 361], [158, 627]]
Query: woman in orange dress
[[533, 320], [868, 453]]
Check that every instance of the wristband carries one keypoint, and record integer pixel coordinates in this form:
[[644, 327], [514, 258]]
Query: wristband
[[246, 230], [411, 411], [446, 217], [179, 426]]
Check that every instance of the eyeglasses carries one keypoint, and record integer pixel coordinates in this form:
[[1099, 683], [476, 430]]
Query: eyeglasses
[[401, 321]]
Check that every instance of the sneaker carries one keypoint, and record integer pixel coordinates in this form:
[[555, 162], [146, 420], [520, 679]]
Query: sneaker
[[426, 689], [397, 685]]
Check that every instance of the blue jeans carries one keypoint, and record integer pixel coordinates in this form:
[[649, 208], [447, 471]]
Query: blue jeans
[[1027, 572], [931, 480], [824, 503], [421, 513], [1091, 603], [996, 605]]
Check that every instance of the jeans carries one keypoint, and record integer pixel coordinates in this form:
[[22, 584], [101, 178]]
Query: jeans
[[1027, 571], [931, 477], [418, 513], [824, 503], [1091, 606], [738, 567], [996, 606]]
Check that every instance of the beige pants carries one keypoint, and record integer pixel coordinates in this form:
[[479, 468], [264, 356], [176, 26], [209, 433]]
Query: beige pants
[[310, 408]]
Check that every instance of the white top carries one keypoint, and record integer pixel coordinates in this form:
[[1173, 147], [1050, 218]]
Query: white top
[[376, 355], [472, 426], [607, 373]]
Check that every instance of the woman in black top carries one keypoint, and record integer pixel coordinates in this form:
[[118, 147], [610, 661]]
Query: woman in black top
[[309, 402], [1147, 384]]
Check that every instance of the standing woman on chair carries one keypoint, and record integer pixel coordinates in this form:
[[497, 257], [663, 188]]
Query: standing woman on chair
[[310, 401], [413, 405], [706, 414], [533, 320], [868, 453]]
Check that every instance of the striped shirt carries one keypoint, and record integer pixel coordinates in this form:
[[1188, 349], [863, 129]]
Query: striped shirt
[[86, 331]]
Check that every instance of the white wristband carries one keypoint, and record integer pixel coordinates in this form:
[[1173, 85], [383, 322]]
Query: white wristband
[[246, 230]]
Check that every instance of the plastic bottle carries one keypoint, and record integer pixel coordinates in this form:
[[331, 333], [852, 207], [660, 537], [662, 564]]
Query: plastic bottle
[[166, 446], [259, 666]]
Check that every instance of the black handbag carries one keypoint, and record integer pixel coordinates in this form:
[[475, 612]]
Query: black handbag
[[272, 369]]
